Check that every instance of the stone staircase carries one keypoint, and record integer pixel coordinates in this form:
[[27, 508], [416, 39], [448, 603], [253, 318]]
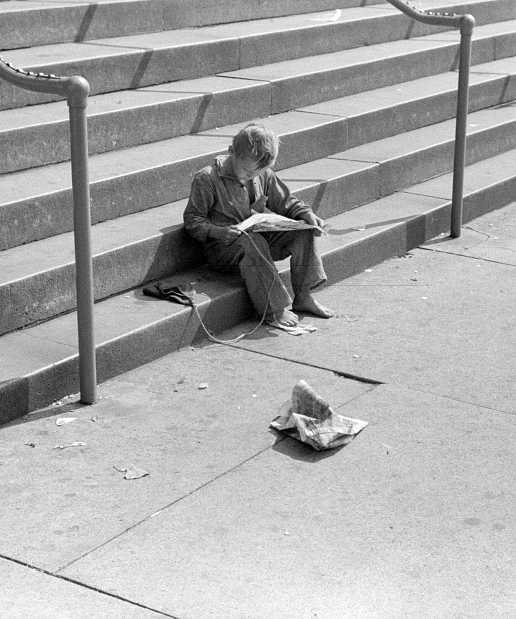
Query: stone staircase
[[362, 98]]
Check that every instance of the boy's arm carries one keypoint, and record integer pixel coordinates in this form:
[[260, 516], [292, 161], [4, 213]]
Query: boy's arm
[[196, 215], [281, 201]]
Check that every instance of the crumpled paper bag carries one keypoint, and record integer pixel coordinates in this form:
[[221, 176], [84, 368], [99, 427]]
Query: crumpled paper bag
[[310, 419]]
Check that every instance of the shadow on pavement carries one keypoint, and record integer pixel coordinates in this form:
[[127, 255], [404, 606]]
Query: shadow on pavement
[[299, 451]]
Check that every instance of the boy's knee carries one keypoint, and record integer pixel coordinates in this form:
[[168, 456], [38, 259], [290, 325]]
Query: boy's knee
[[303, 238]]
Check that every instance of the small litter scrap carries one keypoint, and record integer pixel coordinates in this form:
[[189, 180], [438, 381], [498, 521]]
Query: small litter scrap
[[61, 421], [74, 444], [310, 419], [299, 329], [131, 471]]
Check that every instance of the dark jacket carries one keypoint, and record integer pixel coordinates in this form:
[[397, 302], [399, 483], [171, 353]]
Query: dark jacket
[[218, 198]]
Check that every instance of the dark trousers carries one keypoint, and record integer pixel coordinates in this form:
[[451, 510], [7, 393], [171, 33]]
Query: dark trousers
[[253, 256]]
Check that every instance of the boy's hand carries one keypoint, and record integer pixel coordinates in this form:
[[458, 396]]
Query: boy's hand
[[225, 234], [313, 220]]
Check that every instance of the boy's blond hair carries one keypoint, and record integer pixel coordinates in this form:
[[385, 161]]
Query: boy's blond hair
[[258, 143]]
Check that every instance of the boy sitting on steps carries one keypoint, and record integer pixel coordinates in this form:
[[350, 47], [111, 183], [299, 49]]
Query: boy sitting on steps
[[228, 192]]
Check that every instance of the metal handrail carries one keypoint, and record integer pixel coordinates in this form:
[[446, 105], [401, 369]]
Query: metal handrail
[[76, 90], [465, 23]]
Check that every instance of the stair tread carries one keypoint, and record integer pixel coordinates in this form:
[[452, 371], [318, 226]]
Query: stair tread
[[51, 253], [55, 340]]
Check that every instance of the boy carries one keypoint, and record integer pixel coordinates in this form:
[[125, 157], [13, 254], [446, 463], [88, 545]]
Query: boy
[[229, 191]]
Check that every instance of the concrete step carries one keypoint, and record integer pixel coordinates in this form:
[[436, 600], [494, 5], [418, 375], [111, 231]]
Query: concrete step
[[41, 362], [129, 62], [28, 23], [129, 251], [35, 204], [38, 135]]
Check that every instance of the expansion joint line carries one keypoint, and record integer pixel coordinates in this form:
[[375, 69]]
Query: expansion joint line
[[168, 506], [86, 586], [477, 258], [355, 377]]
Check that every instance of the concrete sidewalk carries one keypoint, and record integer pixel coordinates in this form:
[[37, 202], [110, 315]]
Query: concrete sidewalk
[[414, 518]]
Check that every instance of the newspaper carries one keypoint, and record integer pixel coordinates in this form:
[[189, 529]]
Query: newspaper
[[310, 419], [272, 222]]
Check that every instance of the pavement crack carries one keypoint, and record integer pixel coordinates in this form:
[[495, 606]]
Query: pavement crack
[[455, 399], [478, 258], [486, 234], [86, 586], [355, 377], [165, 507]]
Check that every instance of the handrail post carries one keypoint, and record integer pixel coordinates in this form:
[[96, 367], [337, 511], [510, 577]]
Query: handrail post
[[465, 23], [466, 30], [77, 100], [76, 90]]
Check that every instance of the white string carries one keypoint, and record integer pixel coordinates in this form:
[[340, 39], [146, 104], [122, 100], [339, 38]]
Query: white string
[[262, 320]]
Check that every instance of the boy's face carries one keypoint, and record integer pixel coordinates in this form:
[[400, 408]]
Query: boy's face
[[245, 168]]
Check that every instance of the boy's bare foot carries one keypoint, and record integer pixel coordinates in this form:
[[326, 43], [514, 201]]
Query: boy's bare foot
[[285, 317], [309, 305]]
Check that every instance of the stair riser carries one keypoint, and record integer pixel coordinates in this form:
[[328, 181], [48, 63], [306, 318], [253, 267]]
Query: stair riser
[[171, 252], [96, 21], [505, 46], [29, 393], [143, 68], [52, 213]]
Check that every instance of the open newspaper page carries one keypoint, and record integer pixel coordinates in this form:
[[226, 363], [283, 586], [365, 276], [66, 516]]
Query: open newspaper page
[[272, 222]]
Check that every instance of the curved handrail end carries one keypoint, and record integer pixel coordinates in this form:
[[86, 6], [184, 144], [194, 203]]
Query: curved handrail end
[[77, 90], [467, 23]]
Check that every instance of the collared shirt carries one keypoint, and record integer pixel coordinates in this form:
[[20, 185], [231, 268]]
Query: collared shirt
[[219, 198]]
